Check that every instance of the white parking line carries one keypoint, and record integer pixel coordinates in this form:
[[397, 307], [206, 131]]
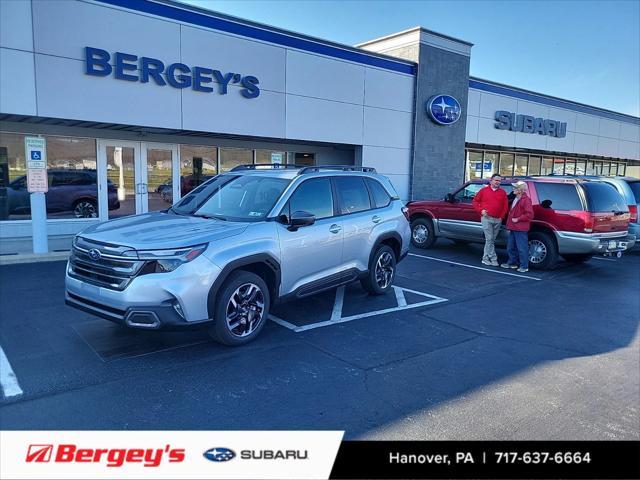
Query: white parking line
[[605, 259], [336, 314], [492, 270], [336, 318], [8, 379]]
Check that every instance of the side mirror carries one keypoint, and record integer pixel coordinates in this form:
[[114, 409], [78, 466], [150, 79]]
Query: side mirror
[[449, 198], [299, 219]]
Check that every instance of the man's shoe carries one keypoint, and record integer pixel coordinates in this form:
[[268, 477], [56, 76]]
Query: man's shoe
[[506, 265], [486, 262], [523, 270], [513, 266], [494, 263]]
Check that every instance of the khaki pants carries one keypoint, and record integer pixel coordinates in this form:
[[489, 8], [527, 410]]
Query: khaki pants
[[491, 228]]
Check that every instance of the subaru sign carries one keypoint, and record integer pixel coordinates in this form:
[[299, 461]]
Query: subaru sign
[[529, 124], [219, 454], [444, 109]]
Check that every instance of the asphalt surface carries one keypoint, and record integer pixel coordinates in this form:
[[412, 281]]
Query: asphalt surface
[[545, 355]]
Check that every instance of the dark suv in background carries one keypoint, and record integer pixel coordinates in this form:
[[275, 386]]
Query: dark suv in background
[[574, 218], [74, 191]]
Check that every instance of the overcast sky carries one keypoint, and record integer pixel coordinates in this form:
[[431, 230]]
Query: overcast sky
[[586, 51]]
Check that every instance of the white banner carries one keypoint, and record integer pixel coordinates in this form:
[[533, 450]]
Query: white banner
[[167, 454]]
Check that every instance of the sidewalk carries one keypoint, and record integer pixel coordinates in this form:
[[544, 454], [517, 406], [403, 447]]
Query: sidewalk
[[20, 250]]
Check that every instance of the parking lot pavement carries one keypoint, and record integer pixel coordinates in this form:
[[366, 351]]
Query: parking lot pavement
[[456, 351]]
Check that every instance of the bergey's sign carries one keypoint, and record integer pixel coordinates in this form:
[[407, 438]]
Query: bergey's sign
[[529, 124]]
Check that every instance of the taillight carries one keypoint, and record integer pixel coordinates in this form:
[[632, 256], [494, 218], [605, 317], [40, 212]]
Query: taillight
[[405, 211], [633, 212], [589, 221]]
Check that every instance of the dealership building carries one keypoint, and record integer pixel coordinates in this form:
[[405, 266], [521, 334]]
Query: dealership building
[[139, 101]]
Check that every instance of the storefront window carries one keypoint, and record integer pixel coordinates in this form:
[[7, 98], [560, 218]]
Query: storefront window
[[521, 165], [614, 169], [547, 166], [307, 159], [474, 165], [490, 166], [271, 157], [232, 157], [15, 201], [534, 165], [506, 164], [622, 169], [197, 165], [605, 168], [581, 167], [558, 166], [591, 168], [570, 167]]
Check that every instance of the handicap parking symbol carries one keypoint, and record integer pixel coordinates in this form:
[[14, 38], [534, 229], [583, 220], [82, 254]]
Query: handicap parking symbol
[[36, 155]]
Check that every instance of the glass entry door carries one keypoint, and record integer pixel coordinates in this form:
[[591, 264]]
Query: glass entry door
[[135, 177]]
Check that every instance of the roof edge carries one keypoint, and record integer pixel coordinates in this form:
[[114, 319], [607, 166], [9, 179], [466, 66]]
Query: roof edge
[[411, 30]]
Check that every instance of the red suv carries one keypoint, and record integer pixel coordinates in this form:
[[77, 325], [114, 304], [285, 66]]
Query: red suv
[[573, 218]]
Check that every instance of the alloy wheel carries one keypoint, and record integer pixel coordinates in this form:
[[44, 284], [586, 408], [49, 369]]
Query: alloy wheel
[[420, 234], [384, 270], [85, 209], [537, 251], [245, 310]]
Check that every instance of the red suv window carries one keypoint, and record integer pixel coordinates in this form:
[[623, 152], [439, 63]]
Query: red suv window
[[559, 196]]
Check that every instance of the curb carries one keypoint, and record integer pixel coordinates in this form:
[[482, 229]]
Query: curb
[[33, 258]]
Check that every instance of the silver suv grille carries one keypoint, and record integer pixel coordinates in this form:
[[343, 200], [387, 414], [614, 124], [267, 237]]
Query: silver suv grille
[[103, 264]]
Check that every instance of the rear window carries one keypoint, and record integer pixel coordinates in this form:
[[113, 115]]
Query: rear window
[[635, 188], [602, 197], [558, 196]]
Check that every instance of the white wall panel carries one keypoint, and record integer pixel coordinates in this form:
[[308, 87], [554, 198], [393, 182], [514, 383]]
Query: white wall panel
[[629, 150], [473, 103], [17, 80], [586, 144], [231, 54], [401, 184], [323, 120], [587, 124], [320, 77], [387, 128], [531, 140], [64, 28], [471, 134], [490, 135], [490, 103], [564, 144], [69, 93], [609, 128], [15, 25], [607, 147], [565, 116], [386, 89], [387, 160], [630, 132], [537, 110], [232, 113]]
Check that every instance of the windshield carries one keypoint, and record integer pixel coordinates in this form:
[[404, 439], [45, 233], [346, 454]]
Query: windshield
[[635, 187], [235, 198]]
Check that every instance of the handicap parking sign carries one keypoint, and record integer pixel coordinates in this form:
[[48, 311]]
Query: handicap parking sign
[[36, 155]]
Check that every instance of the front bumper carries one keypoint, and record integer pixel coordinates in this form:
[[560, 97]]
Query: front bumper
[[170, 300], [596, 244]]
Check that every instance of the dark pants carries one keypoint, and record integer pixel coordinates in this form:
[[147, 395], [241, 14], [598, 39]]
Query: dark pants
[[518, 248]]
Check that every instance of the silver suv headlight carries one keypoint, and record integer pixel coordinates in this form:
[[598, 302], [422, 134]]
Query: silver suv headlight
[[169, 260]]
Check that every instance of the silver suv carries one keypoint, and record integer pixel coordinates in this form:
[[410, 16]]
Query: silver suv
[[239, 243]]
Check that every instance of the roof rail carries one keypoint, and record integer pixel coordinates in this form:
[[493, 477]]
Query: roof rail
[[265, 166], [344, 168]]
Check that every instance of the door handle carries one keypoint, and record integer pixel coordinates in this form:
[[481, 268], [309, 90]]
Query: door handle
[[335, 228], [376, 219]]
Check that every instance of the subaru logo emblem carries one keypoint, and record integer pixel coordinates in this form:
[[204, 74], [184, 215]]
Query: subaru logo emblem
[[219, 454], [444, 109], [94, 254]]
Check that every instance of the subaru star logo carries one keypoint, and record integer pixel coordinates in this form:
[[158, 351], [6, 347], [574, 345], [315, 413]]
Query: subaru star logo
[[444, 109], [94, 254], [219, 454]]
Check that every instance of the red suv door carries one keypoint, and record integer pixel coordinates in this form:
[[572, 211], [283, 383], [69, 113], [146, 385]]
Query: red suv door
[[457, 218]]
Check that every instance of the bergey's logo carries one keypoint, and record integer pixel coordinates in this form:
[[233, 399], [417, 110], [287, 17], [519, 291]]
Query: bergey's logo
[[39, 453]]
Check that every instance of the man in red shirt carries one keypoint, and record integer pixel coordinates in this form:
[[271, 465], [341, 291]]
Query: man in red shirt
[[492, 205]]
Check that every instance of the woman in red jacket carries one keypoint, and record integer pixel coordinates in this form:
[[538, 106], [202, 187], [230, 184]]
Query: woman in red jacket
[[518, 224]]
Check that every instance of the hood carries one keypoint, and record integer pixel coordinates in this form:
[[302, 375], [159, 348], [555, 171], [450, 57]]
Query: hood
[[162, 230]]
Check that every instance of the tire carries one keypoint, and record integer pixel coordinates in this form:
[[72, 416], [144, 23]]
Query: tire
[[422, 233], [382, 271], [578, 257], [246, 328], [543, 252], [85, 208]]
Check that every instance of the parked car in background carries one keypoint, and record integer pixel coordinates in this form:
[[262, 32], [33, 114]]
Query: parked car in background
[[74, 191], [573, 218], [625, 187]]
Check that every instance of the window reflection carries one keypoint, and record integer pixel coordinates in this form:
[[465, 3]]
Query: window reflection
[[197, 165]]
